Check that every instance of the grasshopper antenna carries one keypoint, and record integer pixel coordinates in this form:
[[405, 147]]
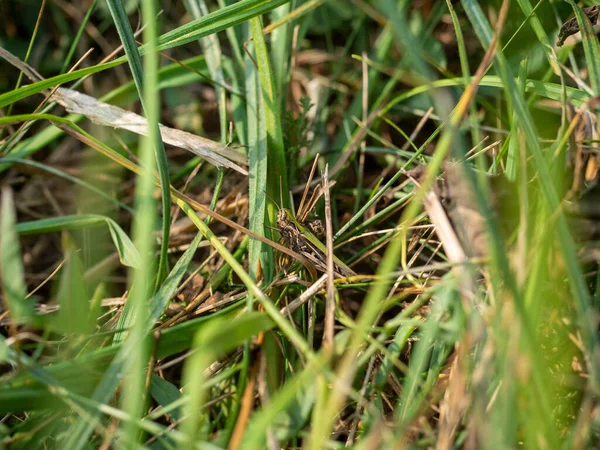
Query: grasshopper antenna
[[272, 199], [280, 191]]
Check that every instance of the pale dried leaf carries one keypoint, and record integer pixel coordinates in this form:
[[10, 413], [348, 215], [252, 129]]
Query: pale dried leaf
[[108, 115], [112, 116]]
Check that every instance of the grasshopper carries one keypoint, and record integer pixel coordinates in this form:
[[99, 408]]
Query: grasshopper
[[304, 242], [301, 235]]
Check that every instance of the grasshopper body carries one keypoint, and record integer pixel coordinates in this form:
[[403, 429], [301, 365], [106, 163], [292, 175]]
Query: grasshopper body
[[304, 242], [296, 234]]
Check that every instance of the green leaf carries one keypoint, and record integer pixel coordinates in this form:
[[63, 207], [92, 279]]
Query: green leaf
[[217, 338], [11, 264], [591, 46], [165, 393], [146, 84], [128, 254], [216, 21], [73, 297], [13, 96], [75, 42], [258, 165], [540, 32], [277, 173], [161, 299]]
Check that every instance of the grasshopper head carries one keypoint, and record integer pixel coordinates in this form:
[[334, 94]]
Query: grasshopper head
[[286, 229], [282, 219]]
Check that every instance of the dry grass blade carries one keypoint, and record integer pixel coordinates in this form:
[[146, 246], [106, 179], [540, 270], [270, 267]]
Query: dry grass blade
[[247, 404], [308, 294], [112, 116], [303, 211], [330, 303], [443, 228], [27, 70], [450, 242]]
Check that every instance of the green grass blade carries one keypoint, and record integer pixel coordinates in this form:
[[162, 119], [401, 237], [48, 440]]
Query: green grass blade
[[277, 174], [11, 265], [128, 254], [165, 393], [258, 165], [214, 59], [277, 169], [77, 38], [548, 90], [14, 96], [135, 313], [280, 50], [466, 72], [161, 299], [74, 315], [146, 84], [577, 282], [540, 32], [217, 21], [513, 155], [591, 46]]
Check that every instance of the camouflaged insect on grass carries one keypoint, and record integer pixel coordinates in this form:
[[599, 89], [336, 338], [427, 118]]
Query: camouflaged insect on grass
[[571, 26]]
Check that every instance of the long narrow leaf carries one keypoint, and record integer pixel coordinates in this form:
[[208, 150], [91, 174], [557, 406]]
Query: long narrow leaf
[[149, 98], [128, 254], [11, 264]]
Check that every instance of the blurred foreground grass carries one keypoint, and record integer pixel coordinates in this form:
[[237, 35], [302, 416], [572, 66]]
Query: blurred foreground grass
[[460, 143]]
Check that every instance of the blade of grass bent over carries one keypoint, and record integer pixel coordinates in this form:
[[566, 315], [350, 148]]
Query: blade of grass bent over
[[128, 254], [146, 83]]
